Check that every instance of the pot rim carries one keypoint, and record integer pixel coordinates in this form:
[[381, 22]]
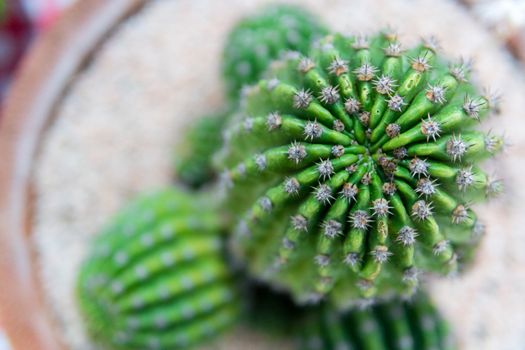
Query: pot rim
[[41, 81]]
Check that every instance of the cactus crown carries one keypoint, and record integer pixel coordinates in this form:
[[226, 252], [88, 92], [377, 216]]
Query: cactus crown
[[355, 168], [157, 278]]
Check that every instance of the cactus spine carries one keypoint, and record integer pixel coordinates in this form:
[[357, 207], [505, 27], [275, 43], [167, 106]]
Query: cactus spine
[[353, 169], [157, 278], [393, 325]]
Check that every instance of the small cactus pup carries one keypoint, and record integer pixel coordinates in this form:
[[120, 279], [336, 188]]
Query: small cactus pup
[[255, 41], [193, 155], [157, 278], [393, 325], [354, 168]]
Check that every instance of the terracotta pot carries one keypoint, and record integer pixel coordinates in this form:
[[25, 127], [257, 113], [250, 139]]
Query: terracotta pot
[[39, 86]]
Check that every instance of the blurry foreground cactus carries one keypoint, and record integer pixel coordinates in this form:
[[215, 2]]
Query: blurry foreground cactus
[[257, 40], [157, 278], [414, 325], [353, 169]]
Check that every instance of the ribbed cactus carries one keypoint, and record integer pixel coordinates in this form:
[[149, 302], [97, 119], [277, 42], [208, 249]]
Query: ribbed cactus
[[414, 325], [353, 169], [193, 156], [157, 278], [257, 40]]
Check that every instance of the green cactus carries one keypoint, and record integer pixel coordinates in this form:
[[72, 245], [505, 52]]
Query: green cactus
[[258, 39], [157, 277], [414, 325], [353, 169], [193, 156]]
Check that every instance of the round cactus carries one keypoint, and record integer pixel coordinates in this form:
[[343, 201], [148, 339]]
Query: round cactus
[[353, 169], [193, 156], [157, 278], [414, 325], [258, 39]]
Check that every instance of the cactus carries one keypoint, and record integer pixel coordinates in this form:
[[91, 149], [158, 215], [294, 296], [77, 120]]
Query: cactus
[[353, 169], [156, 278], [193, 165], [258, 39], [414, 325]]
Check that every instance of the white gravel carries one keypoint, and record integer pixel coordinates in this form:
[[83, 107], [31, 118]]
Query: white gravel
[[122, 115]]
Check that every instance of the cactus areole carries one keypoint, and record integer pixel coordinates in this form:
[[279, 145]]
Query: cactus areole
[[353, 169]]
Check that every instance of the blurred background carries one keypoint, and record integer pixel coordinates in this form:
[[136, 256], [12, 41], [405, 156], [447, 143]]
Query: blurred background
[[23, 21]]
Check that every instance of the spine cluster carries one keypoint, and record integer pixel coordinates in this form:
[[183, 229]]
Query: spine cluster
[[353, 169], [157, 278]]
